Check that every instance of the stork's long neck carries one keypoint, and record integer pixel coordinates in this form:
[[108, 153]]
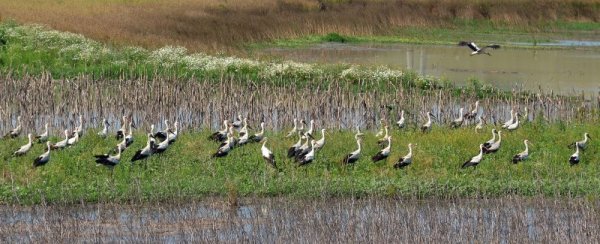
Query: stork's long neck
[[29, 139], [386, 132], [409, 151], [322, 135], [480, 151], [428, 119], [389, 144], [577, 149], [262, 128], [460, 116], [526, 148], [499, 137], [493, 136], [585, 138], [358, 143], [402, 115]]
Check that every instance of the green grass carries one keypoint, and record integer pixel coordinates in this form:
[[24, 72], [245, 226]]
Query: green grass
[[186, 171]]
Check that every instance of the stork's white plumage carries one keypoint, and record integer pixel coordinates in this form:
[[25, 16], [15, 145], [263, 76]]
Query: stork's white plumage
[[474, 161], [522, 155], [25, 148], [309, 132], [62, 144], [71, 141], [401, 122], [244, 129], [308, 157], [79, 128], [17, 130], [292, 150], [406, 160], [109, 160], [104, 132], [384, 139], [473, 113], [476, 50], [237, 123], [354, 156], [44, 158], [121, 131], [583, 143], [384, 153], [267, 154], [574, 159], [129, 137], [259, 136], [44, 136], [321, 142], [514, 125], [243, 139], [221, 135], [172, 134], [511, 120], [459, 121], [146, 151], [122, 145], [480, 123], [494, 147], [427, 126], [488, 143]]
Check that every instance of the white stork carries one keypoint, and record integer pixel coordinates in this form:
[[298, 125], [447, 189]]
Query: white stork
[[514, 125], [292, 150], [522, 155], [25, 148], [354, 156], [406, 160], [221, 135], [162, 135], [476, 49], [244, 129], [71, 141], [44, 158], [17, 130], [459, 121], [144, 152], [309, 132], [494, 147], [384, 139], [237, 123], [474, 161], [401, 122], [488, 143], [62, 144], [574, 159], [79, 128], [257, 137], [511, 120], [383, 153], [104, 132], [129, 137], [583, 143], [267, 154], [321, 142], [225, 149], [471, 115], [44, 136], [121, 131], [427, 126], [172, 134], [480, 123], [308, 157], [109, 160]]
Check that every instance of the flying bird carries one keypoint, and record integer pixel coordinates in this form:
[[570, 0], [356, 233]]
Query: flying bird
[[476, 49]]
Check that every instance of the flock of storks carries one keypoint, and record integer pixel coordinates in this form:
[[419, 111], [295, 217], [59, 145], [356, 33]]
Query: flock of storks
[[235, 134]]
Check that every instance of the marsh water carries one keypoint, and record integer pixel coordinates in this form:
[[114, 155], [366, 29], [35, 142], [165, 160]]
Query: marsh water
[[572, 68], [276, 220]]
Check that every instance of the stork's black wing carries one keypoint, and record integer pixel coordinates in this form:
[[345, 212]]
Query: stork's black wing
[[471, 45]]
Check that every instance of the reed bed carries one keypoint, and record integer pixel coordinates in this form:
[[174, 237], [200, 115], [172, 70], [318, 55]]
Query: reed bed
[[215, 26], [508, 219], [204, 104]]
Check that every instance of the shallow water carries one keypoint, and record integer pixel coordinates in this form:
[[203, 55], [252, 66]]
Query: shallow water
[[563, 70], [321, 220]]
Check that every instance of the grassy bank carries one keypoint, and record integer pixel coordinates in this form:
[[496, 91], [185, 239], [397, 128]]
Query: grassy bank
[[186, 170], [216, 26]]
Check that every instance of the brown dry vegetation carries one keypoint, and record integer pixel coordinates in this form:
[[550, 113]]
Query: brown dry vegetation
[[224, 24]]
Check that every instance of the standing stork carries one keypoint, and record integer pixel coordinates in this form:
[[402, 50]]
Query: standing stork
[[162, 135], [225, 149], [44, 136], [62, 144], [574, 159], [459, 121], [72, 140], [406, 160], [260, 135], [294, 130], [109, 160], [79, 128], [161, 147], [16, 131], [244, 129], [511, 120], [383, 153], [292, 150], [144, 152], [321, 142], [309, 157], [221, 135], [401, 122], [25, 148], [488, 143], [474, 161], [476, 49], [267, 154], [494, 147], [480, 123], [121, 131], [522, 155], [354, 156], [44, 158], [172, 134], [384, 139], [514, 125], [471, 115], [237, 123], [427, 126], [104, 132], [129, 137], [583, 143], [309, 132]]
